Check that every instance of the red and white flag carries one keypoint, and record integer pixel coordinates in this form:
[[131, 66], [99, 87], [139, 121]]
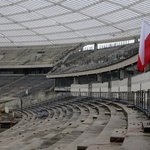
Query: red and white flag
[[144, 47]]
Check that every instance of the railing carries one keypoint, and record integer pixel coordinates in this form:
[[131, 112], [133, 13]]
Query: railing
[[140, 99]]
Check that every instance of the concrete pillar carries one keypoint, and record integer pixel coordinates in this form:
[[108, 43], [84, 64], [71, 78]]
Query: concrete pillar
[[79, 92], [95, 46], [99, 78], [122, 74], [109, 89], [129, 84], [129, 96], [81, 49], [135, 40], [119, 92], [90, 89], [75, 80]]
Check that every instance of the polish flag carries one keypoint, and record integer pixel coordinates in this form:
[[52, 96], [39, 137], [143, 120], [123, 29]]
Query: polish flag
[[144, 47]]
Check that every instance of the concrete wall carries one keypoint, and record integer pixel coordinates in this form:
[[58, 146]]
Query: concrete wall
[[79, 88], [31, 99], [62, 89], [139, 82], [100, 87], [119, 85]]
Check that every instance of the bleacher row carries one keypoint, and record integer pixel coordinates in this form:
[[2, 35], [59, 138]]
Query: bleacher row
[[95, 59], [32, 55], [16, 85], [82, 123]]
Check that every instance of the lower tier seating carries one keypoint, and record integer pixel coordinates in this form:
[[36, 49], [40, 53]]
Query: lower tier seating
[[77, 123]]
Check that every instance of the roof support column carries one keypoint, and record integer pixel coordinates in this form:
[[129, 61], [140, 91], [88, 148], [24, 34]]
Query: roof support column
[[135, 40], [129, 84], [95, 46], [75, 80], [90, 89], [99, 78], [129, 98], [122, 74], [109, 89]]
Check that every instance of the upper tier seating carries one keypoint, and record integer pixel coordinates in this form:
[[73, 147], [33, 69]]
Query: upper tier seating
[[94, 59], [32, 55]]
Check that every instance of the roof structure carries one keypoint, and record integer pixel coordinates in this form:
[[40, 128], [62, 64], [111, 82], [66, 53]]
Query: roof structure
[[56, 22]]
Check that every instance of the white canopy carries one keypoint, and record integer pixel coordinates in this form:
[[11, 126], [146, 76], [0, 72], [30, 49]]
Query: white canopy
[[56, 22]]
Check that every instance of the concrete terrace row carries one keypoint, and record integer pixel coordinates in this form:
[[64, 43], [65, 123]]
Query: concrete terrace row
[[16, 85], [81, 123], [34, 55], [80, 61]]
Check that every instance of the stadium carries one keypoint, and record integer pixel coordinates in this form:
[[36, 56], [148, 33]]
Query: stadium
[[74, 74]]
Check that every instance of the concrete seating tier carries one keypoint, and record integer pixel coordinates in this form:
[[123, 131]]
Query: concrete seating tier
[[134, 136], [38, 55], [95, 59], [20, 83], [81, 123], [116, 121]]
